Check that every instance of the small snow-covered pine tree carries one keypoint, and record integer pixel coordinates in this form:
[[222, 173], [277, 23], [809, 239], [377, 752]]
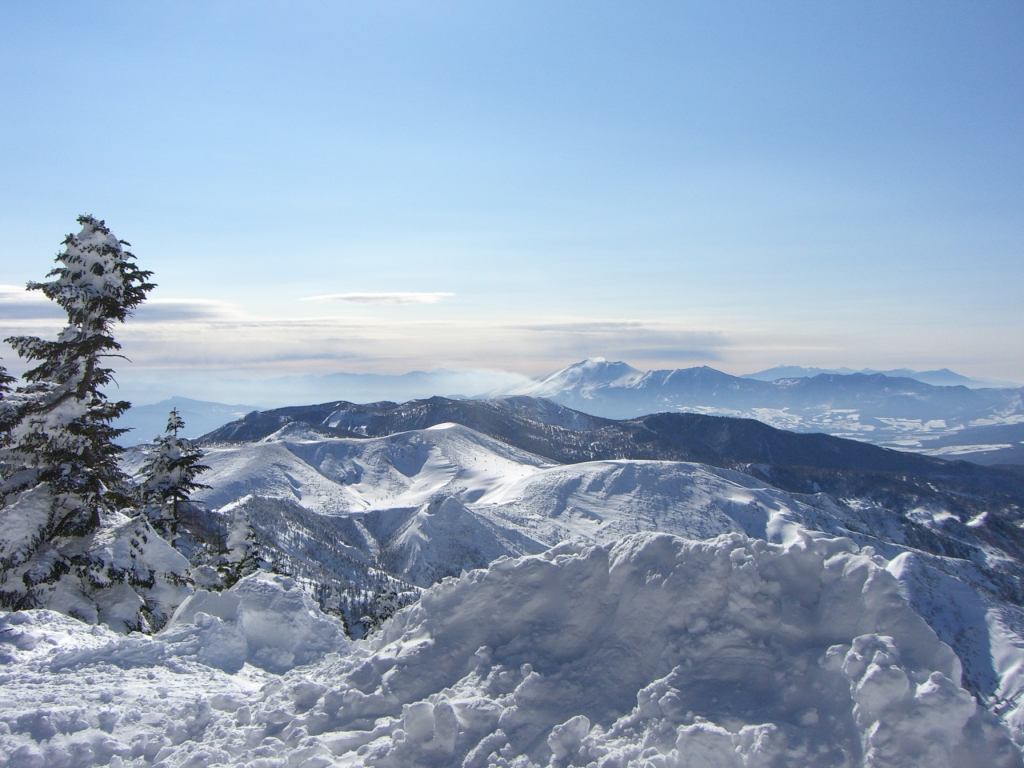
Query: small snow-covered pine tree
[[60, 473], [169, 477], [243, 555], [385, 604], [8, 412]]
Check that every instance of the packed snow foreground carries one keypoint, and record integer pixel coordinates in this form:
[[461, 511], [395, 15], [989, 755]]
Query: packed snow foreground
[[651, 651]]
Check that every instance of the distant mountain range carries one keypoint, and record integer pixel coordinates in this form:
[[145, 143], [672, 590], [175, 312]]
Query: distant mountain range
[[146, 422], [943, 377], [293, 390], [983, 425], [879, 408]]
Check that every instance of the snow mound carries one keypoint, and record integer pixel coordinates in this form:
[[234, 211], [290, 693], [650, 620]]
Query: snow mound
[[653, 651], [729, 652], [264, 619]]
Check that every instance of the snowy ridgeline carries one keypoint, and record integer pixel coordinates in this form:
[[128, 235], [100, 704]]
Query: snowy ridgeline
[[654, 651]]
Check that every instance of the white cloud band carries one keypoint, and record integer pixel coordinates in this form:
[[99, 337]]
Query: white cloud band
[[396, 297]]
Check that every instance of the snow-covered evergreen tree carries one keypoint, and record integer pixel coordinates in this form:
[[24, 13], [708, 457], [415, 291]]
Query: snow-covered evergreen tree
[[242, 554], [385, 604], [169, 477], [63, 435], [8, 413], [60, 471]]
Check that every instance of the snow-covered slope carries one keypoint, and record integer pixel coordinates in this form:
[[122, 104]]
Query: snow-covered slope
[[655, 651], [121, 574], [401, 470], [601, 501], [592, 501], [444, 537], [430, 503]]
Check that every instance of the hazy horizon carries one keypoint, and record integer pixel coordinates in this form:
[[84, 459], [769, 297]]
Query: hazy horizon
[[279, 391]]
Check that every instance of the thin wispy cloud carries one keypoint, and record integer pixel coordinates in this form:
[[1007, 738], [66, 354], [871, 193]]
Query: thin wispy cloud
[[394, 297], [16, 304], [637, 340]]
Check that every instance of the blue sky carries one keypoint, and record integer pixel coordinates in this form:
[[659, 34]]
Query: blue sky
[[521, 185]]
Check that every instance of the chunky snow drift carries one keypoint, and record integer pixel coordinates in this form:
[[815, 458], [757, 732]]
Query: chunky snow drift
[[654, 651]]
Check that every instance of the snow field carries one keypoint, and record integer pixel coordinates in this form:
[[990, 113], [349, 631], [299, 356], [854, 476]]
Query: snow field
[[653, 651]]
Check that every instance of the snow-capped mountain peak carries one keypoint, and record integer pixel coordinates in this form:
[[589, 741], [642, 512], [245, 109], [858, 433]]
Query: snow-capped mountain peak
[[581, 377]]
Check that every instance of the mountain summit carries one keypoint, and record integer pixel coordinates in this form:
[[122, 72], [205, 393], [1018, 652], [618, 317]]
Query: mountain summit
[[581, 379]]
